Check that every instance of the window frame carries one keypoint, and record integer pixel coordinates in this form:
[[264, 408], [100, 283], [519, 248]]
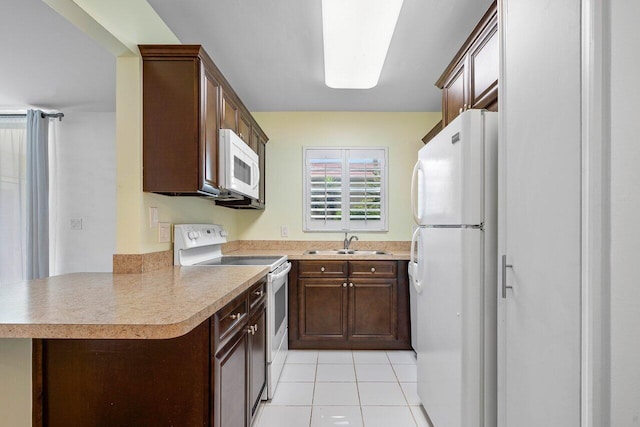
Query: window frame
[[345, 225]]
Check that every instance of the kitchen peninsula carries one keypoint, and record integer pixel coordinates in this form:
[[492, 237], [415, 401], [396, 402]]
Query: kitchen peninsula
[[135, 349]]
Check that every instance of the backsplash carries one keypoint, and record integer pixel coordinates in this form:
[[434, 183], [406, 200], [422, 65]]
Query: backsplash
[[140, 263]]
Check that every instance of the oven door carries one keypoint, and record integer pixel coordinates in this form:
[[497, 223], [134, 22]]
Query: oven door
[[277, 313]]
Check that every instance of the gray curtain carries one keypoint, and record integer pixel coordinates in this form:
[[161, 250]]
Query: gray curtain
[[37, 195]]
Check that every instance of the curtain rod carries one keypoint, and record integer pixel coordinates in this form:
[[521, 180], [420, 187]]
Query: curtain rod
[[58, 116]]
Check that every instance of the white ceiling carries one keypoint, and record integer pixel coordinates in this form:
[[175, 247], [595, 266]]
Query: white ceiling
[[49, 63], [269, 50]]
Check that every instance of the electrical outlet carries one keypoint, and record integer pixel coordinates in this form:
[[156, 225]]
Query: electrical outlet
[[164, 232], [75, 223], [284, 231]]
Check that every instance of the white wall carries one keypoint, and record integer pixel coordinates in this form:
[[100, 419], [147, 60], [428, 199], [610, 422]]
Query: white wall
[[625, 210], [85, 186]]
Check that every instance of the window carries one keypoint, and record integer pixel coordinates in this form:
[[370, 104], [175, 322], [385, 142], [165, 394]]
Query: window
[[345, 180], [13, 239]]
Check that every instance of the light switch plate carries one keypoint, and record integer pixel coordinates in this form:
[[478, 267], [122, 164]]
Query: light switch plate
[[153, 217], [164, 232], [284, 231]]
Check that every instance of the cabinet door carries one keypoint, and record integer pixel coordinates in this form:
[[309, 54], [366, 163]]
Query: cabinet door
[[244, 128], [539, 324], [484, 62], [229, 117], [262, 160], [373, 309], [230, 379], [170, 129], [253, 142], [454, 94], [322, 309], [209, 131], [257, 359]]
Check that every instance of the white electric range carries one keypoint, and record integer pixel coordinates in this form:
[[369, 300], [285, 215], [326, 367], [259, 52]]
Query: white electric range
[[201, 245]]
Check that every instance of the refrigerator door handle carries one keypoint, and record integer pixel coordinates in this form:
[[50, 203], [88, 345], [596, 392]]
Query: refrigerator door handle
[[414, 177], [504, 276], [415, 273]]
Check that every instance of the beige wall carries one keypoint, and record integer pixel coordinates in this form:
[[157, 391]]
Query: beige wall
[[15, 382], [178, 210], [289, 132]]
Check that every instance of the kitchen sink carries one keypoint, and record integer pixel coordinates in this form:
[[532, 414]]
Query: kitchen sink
[[344, 252]]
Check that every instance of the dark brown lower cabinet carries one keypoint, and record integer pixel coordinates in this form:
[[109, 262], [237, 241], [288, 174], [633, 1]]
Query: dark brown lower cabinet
[[124, 382], [230, 379], [373, 309], [257, 360], [240, 357], [367, 308], [212, 376], [323, 309]]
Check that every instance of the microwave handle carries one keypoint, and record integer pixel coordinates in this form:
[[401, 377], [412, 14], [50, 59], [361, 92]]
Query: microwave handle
[[255, 179]]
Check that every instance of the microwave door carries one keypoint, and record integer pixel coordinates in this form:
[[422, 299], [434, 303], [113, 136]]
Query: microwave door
[[242, 170]]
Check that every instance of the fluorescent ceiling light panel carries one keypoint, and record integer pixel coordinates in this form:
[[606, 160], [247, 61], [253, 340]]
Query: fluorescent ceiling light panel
[[357, 34]]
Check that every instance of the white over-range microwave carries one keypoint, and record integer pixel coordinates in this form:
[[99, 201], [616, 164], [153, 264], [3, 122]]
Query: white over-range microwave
[[239, 171]]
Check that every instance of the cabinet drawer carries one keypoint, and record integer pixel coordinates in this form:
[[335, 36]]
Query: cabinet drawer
[[322, 269], [257, 293], [230, 316], [372, 268]]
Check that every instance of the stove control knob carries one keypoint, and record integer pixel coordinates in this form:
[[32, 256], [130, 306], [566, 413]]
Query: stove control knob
[[192, 235]]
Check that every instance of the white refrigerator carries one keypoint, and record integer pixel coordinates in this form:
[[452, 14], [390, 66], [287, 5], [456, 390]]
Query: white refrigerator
[[453, 272]]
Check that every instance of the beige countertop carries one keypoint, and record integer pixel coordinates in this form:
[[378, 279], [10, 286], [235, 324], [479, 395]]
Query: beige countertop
[[166, 303], [297, 254]]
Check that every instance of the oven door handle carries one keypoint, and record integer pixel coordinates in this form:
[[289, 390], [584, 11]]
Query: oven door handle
[[273, 277]]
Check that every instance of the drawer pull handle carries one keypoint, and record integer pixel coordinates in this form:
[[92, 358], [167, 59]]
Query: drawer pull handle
[[322, 269], [259, 293], [351, 285], [255, 328], [251, 331], [373, 270], [344, 285], [236, 316]]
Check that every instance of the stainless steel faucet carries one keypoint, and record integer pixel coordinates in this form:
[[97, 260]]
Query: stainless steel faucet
[[347, 241]]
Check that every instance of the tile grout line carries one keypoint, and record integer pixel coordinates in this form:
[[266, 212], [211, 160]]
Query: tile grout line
[[355, 372], [402, 391], [313, 395]]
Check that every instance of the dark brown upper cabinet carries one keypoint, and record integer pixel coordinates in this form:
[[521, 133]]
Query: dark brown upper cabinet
[[471, 78], [244, 129], [186, 101]]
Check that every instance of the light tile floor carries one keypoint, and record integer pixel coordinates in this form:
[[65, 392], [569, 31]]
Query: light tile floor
[[345, 388]]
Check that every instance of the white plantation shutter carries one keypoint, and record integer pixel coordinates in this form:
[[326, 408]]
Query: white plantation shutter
[[325, 198], [345, 189], [365, 185]]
